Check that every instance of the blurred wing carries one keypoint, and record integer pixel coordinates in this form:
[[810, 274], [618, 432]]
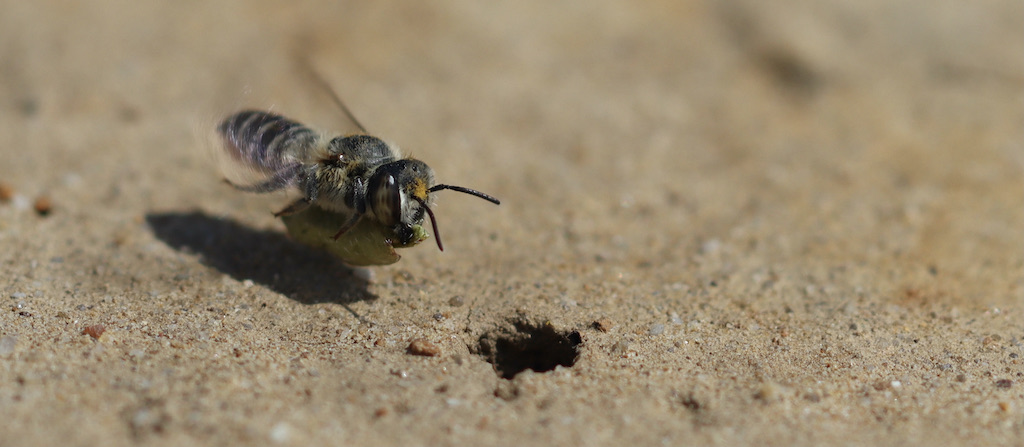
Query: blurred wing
[[331, 111], [261, 151]]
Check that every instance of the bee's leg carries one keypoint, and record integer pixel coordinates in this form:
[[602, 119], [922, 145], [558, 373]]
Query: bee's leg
[[295, 207], [352, 221]]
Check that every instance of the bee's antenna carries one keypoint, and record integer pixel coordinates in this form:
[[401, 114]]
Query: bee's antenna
[[433, 223], [308, 67], [340, 103], [471, 192]]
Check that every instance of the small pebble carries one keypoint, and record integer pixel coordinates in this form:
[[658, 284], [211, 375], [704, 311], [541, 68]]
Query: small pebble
[[768, 392], [421, 346], [656, 329], [43, 206], [94, 331], [1004, 383], [620, 347], [6, 193], [604, 324]]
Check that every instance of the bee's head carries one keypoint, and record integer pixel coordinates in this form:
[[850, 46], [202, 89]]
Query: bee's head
[[398, 195]]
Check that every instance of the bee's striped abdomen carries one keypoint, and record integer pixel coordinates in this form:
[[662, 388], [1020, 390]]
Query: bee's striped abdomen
[[265, 140]]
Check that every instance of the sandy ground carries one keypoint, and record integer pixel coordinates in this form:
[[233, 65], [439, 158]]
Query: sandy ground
[[740, 222]]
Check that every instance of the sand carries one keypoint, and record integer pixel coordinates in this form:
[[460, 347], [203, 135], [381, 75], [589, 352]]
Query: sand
[[722, 223]]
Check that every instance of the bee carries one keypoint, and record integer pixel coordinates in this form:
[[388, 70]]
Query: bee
[[358, 182]]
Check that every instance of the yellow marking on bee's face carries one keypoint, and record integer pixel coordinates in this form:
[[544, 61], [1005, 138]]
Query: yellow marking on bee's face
[[419, 189]]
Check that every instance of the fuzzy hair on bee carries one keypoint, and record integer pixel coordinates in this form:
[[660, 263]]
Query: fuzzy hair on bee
[[356, 176]]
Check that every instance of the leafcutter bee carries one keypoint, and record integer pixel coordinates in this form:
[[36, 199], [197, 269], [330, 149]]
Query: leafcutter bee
[[359, 198]]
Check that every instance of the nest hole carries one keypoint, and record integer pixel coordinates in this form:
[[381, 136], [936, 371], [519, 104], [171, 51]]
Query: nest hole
[[538, 348]]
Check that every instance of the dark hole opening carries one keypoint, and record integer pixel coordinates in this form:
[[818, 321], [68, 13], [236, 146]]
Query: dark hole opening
[[540, 348]]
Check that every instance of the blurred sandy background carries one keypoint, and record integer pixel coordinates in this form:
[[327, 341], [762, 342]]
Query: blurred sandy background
[[735, 222]]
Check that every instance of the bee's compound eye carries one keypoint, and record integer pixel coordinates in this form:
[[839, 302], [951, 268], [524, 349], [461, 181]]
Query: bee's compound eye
[[386, 200]]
